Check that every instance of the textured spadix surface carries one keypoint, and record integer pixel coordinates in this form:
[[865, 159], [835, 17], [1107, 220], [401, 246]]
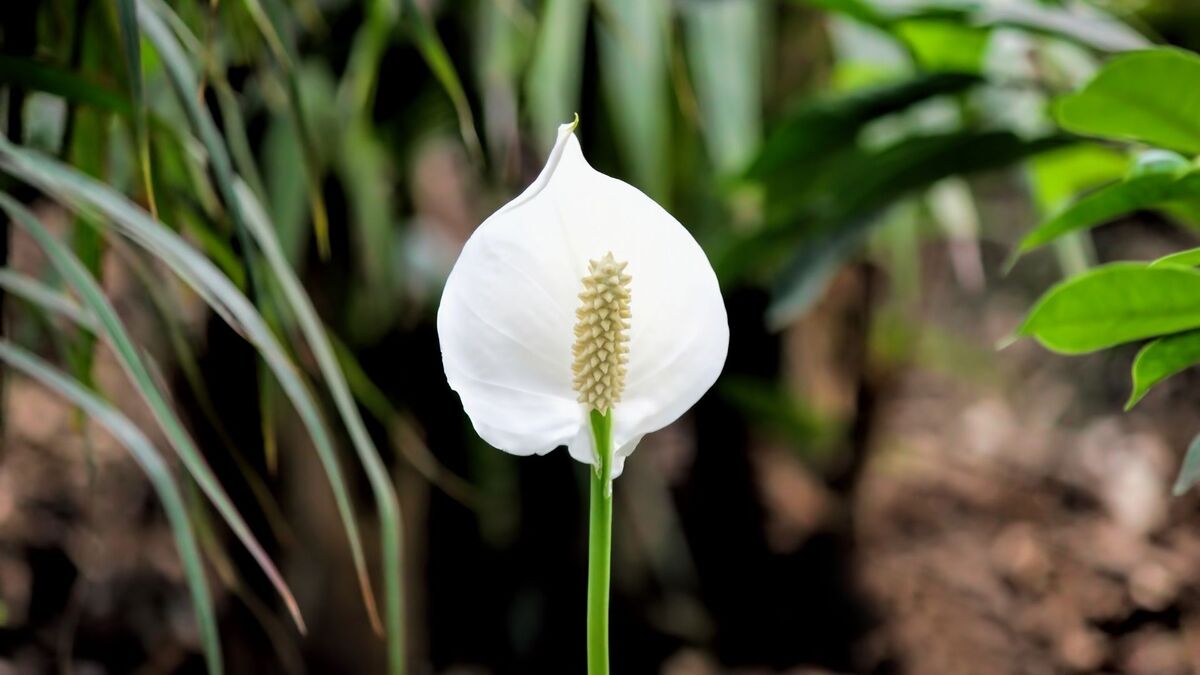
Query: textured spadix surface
[[508, 315]]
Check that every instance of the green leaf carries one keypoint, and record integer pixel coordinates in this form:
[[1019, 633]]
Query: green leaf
[[1115, 304], [128, 355], [37, 76], [275, 31], [1161, 359], [632, 40], [817, 128], [1060, 175], [357, 89], [377, 473], [40, 295], [1142, 191], [185, 85], [1189, 473], [555, 71], [846, 199], [433, 50], [724, 50], [1079, 23], [131, 47], [82, 193], [1145, 96], [156, 470], [950, 46], [1188, 258]]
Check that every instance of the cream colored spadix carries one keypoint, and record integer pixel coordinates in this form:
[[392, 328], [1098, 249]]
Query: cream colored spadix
[[601, 333], [581, 294]]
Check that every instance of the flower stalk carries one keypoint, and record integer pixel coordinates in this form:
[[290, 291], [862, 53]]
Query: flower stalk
[[599, 545]]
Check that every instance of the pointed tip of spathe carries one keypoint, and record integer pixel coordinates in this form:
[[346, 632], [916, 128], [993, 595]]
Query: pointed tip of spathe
[[569, 127]]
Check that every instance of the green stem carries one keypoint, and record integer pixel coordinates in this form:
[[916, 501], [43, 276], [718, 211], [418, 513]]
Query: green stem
[[600, 547]]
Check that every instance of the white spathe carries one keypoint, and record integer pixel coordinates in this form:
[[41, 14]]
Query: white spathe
[[507, 316]]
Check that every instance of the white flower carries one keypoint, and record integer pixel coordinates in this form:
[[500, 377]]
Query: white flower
[[580, 294]]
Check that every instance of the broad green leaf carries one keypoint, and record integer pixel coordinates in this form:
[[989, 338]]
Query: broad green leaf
[[847, 197], [555, 74], [1059, 176], [1161, 359], [632, 40], [1143, 191], [1115, 304], [156, 470], [951, 46], [724, 49], [818, 128], [82, 193], [1146, 96], [128, 355], [1189, 473], [1188, 258]]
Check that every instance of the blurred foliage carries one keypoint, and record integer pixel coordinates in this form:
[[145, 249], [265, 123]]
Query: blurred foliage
[[308, 170]]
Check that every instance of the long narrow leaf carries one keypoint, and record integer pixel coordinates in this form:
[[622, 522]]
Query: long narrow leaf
[[156, 470], [34, 75], [185, 83], [282, 53], [429, 43], [37, 293], [113, 330], [131, 45], [368, 455], [83, 193]]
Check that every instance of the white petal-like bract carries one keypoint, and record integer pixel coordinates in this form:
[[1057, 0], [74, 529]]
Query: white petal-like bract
[[507, 316]]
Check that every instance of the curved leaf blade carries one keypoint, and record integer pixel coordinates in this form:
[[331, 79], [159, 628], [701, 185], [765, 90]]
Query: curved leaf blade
[[1115, 304], [1143, 96], [1188, 258], [128, 355], [1160, 359], [1111, 201], [35, 292], [377, 474], [1189, 473], [83, 193], [160, 478], [131, 46]]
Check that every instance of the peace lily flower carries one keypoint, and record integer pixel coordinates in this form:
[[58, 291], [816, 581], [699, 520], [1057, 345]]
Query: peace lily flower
[[580, 297]]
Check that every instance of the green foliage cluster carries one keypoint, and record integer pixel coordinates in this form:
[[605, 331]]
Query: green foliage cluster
[[1149, 99]]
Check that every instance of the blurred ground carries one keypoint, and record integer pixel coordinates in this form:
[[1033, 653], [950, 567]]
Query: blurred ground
[[1014, 520]]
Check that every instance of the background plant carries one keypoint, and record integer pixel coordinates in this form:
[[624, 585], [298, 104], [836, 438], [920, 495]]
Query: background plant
[[305, 170]]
